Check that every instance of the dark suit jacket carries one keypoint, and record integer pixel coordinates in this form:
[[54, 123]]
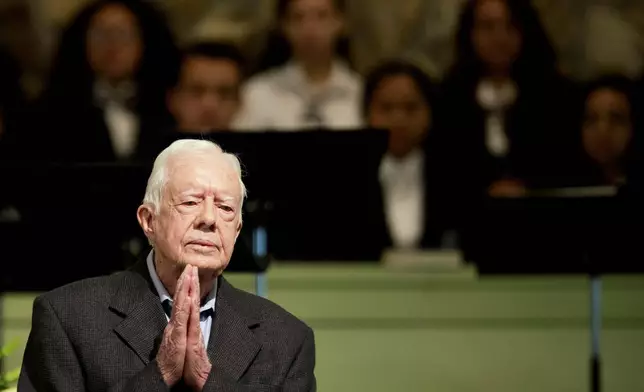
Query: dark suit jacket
[[77, 132], [102, 334]]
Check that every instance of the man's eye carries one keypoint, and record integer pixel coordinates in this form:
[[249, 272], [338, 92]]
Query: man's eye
[[190, 203], [226, 208]]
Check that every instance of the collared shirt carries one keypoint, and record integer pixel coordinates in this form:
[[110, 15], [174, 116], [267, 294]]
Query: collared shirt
[[122, 123], [207, 309], [403, 189], [283, 100], [495, 100]]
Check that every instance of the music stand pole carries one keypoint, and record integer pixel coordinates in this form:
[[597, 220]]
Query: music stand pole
[[2, 315], [260, 251], [260, 246], [595, 331]]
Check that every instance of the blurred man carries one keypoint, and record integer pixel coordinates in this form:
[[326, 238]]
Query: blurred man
[[206, 95], [153, 328]]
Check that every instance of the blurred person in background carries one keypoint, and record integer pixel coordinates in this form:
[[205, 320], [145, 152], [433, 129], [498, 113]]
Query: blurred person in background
[[105, 97], [399, 97], [20, 36], [506, 106], [507, 116], [11, 101], [608, 128], [206, 94], [308, 82], [11, 98]]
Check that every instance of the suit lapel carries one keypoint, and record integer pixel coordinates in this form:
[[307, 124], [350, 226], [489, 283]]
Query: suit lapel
[[232, 346], [144, 320]]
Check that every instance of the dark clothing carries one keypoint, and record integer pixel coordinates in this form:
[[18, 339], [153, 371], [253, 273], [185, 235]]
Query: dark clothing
[[102, 334], [79, 133], [539, 127]]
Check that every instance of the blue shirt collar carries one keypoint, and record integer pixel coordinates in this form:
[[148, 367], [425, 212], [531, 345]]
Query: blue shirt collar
[[209, 302]]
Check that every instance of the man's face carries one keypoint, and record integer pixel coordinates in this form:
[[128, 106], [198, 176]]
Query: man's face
[[199, 217], [207, 96]]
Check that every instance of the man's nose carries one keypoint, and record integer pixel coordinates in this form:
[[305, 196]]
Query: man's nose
[[208, 216]]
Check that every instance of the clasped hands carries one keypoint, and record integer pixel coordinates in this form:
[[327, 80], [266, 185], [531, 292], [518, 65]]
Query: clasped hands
[[182, 353]]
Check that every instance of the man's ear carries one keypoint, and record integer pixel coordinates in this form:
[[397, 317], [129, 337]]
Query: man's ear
[[145, 215], [239, 227]]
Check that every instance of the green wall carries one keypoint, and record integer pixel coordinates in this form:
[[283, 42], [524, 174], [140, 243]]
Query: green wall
[[380, 330]]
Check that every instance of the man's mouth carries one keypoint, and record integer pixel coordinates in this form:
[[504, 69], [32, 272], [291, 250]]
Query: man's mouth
[[202, 243]]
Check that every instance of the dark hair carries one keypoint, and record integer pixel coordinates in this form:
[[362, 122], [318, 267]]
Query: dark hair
[[281, 7], [71, 76], [11, 94], [391, 68], [615, 82], [213, 50], [537, 55], [277, 48]]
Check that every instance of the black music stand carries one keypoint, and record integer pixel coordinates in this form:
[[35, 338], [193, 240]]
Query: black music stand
[[578, 230]]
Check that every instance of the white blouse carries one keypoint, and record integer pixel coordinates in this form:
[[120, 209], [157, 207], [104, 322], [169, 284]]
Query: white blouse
[[122, 123], [495, 100], [403, 189], [282, 100]]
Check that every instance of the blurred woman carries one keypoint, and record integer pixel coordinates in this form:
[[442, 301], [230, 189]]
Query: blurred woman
[[609, 134], [106, 93], [608, 129], [506, 119], [505, 104], [399, 97], [308, 84]]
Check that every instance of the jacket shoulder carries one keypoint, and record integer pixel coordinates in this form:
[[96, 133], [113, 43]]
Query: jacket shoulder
[[84, 293], [268, 312]]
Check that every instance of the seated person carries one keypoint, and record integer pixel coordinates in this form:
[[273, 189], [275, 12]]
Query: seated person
[[398, 96], [608, 136], [104, 98], [172, 321], [607, 130], [306, 79], [205, 96]]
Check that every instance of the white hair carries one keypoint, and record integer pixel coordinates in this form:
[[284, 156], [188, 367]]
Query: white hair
[[159, 176]]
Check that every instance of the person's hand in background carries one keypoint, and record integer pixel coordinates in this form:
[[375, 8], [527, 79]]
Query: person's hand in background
[[507, 188]]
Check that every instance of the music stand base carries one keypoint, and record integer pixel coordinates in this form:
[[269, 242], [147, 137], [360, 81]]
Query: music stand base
[[595, 332], [260, 250], [261, 281]]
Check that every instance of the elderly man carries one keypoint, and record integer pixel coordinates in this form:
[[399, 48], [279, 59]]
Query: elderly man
[[172, 322]]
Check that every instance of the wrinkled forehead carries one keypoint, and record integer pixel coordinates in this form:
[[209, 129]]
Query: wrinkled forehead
[[208, 172]]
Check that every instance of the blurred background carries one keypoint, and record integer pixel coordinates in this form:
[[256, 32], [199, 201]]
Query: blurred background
[[487, 154]]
